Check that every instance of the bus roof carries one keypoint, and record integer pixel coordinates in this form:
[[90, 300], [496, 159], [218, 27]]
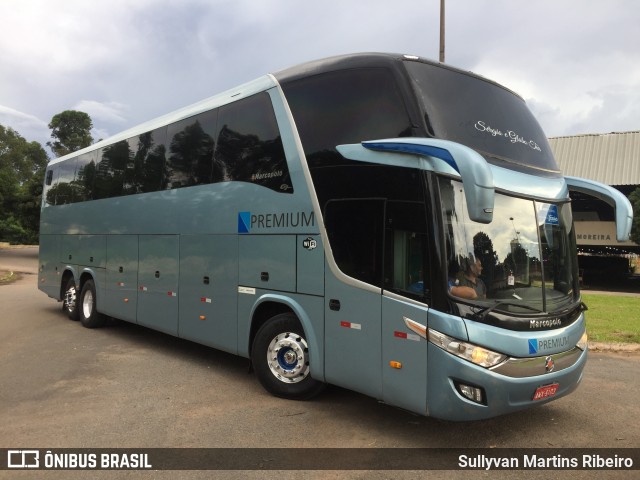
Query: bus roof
[[360, 60]]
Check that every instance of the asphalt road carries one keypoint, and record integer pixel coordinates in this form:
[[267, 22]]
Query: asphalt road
[[62, 385]]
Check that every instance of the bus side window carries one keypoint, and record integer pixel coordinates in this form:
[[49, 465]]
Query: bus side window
[[406, 270], [85, 177], [355, 228], [112, 164], [249, 147], [190, 155], [149, 159], [63, 191], [48, 194], [346, 106]]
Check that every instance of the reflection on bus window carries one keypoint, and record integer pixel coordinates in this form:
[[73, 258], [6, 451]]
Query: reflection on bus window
[[522, 257], [191, 145], [249, 147], [237, 142]]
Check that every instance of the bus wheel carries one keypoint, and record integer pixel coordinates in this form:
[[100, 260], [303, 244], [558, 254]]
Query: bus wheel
[[89, 317], [70, 300], [280, 358]]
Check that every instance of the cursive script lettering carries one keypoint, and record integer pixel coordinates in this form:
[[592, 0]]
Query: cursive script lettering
[[511, 135]]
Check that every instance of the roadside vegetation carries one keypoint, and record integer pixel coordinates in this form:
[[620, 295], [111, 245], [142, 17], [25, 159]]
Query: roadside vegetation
[[612, 318], [22, 167]]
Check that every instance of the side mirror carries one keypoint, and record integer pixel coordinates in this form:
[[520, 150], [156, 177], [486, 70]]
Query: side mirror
[[477, 178], [611, 196]]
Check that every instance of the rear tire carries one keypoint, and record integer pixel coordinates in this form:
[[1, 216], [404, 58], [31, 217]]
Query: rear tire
[[70, 300], [89, 317], [280, 358]]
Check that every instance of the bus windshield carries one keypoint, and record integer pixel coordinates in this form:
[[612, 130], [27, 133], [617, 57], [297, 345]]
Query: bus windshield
[[482, 115], [522, 261]]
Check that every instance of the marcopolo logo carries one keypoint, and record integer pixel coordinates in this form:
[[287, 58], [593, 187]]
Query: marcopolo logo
[[248, 221]]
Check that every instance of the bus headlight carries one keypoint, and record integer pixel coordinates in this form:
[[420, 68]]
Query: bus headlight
[[473, 353]]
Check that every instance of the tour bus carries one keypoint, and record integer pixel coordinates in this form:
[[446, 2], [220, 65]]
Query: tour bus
[[378, 222]]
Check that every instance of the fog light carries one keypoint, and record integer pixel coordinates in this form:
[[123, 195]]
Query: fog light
[[475, 394]]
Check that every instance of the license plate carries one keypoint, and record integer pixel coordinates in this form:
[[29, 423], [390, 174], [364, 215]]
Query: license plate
[[546, 391]]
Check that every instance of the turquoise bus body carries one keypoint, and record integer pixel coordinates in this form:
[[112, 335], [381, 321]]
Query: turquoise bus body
[[253, 263]]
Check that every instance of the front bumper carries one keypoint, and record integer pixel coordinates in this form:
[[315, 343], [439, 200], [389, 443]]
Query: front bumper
[[506, 389]]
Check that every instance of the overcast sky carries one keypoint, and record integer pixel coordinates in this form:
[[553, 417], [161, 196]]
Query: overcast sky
[[576, 62]]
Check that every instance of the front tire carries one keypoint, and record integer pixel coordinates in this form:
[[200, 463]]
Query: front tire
[[89, 317], [280, 358]]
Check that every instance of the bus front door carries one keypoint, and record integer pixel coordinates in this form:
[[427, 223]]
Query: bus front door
[[352, 337], [353, 294], [404, 355]]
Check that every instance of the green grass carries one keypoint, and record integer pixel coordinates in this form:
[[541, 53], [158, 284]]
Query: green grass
[[612, 318]]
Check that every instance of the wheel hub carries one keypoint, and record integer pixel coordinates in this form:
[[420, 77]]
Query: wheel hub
[[87, 304], [70, 299], [287, 357]]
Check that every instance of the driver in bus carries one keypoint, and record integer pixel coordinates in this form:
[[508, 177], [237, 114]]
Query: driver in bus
[[467, 284]]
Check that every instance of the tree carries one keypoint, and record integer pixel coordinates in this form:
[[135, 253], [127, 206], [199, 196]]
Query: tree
[[22, 167], [29, 202], [483, 249], [634, 198], [71, 130]]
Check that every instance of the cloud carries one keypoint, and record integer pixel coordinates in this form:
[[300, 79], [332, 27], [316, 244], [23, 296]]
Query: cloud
[[565, 58], [66, 36], [110, 112], [616, 108], [27, 125], [12, 116], [576, 62], [107, 117]]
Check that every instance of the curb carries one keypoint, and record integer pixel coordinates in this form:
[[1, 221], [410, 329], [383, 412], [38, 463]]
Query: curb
[[600, 347], [9, 246]]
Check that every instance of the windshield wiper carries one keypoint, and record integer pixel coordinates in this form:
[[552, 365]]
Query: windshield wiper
[[481, 315]]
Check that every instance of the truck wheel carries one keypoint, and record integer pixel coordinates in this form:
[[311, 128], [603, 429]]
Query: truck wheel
[[280, 358], [70, 300], [89, 317]]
